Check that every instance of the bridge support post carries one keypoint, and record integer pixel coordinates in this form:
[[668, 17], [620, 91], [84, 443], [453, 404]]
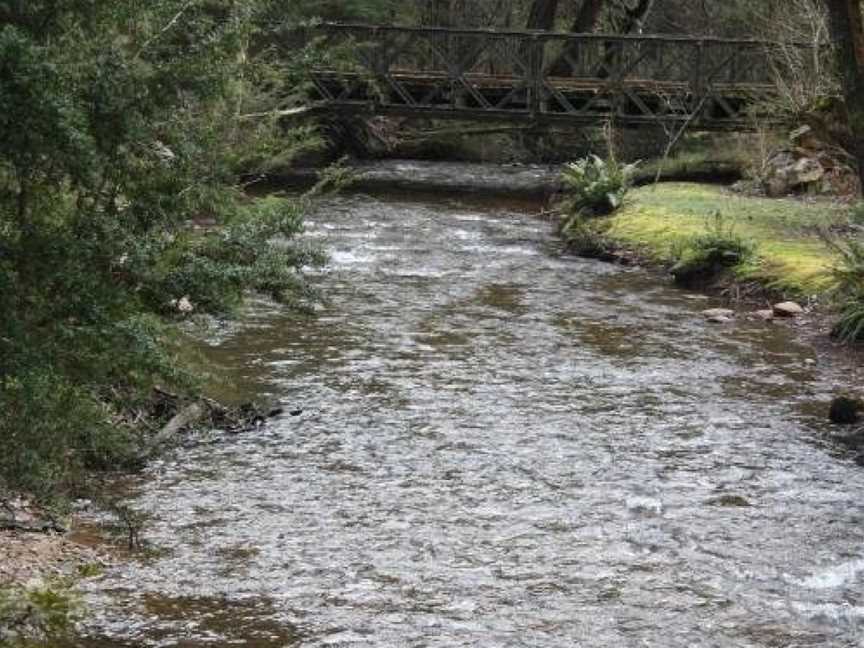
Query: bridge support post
[[536, 56]]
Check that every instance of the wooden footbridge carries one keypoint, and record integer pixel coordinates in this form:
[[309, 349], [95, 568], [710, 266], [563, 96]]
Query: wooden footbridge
[[539, 77]]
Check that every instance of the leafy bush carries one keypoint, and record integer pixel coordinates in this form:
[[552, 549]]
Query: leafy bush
[[595, 186], [856, 213], [849, 288], [122, 142], [703, 256], [850, 326]]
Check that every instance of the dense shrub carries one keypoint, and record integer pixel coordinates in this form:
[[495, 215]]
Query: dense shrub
[[849, 288], [595, 186], [704, 256], [120, 135]]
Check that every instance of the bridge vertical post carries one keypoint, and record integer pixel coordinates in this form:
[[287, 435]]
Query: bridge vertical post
[[534, 82], [697, 85], [379, 71]]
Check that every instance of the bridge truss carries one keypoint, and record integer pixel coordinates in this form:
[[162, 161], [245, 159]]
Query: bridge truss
[[541, 77]]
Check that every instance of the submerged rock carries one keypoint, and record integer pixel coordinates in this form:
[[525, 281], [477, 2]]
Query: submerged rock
[[724, 314], [788, 309], [845, 410], [720, 319], [730, 500]]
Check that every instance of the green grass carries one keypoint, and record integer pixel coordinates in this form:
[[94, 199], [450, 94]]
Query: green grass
[[790, 256]]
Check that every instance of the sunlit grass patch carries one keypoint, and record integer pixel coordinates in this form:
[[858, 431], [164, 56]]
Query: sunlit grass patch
[[790, 255]]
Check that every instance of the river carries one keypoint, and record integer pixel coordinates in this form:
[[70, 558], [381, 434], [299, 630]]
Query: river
[[499, 447]]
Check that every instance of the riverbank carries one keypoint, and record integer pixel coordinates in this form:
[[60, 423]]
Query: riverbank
[[791, 258], [41, 565]]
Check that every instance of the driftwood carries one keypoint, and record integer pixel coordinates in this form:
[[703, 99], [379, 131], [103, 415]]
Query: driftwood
[[205, 413], [187, 416], [299, 111]]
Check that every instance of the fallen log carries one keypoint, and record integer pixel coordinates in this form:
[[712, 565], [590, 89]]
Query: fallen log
[[187, 416]]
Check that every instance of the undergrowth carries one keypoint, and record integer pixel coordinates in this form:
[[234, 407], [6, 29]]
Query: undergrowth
[[32, 615], [849, 289], [702, 257]]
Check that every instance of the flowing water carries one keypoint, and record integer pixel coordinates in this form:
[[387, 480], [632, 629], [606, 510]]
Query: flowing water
[[499, 447]]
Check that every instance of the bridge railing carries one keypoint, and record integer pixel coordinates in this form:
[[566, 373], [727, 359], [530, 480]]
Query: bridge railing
[[541, 72]]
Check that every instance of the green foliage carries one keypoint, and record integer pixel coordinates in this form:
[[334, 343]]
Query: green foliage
[[122, 142], [703, 256], [369, 11], [856, 214], [595, 186], [37, 613], [850, 326], [848, 275]]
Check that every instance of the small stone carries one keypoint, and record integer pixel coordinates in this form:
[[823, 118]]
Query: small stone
[[766, 315], [719, 319], [787, 309], [713, 313]]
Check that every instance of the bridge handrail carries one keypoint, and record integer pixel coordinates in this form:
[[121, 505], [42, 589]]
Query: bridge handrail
[[559, 35]]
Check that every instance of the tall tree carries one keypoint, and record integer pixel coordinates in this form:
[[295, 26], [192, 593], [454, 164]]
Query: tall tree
[[847, 31], [588, 16], [542, 14], [585, 22], [632, 16]]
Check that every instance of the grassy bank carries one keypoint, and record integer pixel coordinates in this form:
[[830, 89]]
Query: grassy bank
[[656, 221]]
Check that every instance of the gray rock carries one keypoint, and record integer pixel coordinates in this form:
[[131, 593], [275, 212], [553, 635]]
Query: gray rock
[[766, 315], [718, 313], [807, 171], [787, 309]]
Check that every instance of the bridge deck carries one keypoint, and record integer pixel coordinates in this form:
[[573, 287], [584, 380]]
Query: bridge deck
[[542, 77]]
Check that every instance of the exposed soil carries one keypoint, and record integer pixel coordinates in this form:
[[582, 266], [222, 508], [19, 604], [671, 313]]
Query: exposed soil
[[28, 557]]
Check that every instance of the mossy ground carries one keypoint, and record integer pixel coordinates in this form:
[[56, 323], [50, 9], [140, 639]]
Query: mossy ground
[[790, 255]]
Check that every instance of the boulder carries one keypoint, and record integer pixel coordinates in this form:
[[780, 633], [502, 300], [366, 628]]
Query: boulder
[[807, 171], [766, 315], [730, 500], [807, 166], [804, 137], [787, 309]]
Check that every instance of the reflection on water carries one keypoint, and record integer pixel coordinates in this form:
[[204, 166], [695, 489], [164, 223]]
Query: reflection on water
[[499, 447]]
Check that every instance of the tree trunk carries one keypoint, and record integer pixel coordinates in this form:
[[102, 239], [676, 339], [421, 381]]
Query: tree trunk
[[588, 16], [847, 31], [542, 15], [437, 13], [634, 18], [585, 22]]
